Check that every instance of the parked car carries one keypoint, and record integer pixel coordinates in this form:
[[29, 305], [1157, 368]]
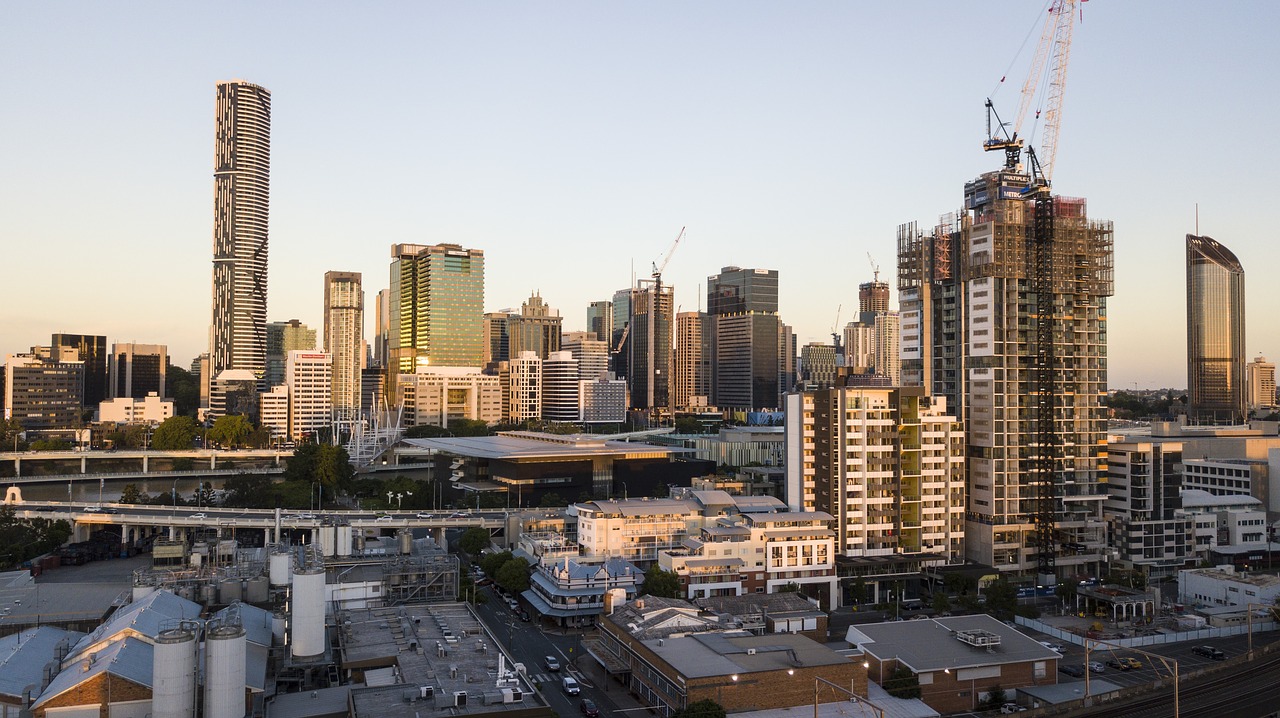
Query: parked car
[[1011, 708], [1209, 652], [1095, 667], [570, 686], [1073, 671], [1055, 647], [589, 708], [1130, 664]]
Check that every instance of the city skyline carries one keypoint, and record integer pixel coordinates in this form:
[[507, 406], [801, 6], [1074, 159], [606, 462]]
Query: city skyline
[[793, 139]]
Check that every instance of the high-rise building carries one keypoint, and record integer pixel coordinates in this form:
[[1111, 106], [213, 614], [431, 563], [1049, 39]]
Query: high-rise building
[[742, 305], [137, 370], [560, 387], [817, 365], [441, 395], [788, 354], [873, 298], [523, 391], [241, 207], [1148, 528], [282, 338], [382, 328], [309, 380], [888, 465], [1262, 384], [344, 339], [860, 348], [600, 320], [44, 389], [603, 401], [92, 350], [535, 329], [1215, 333], [649, 341], [591, 354], [693, 359], [620, 352], [888, 362], [436, 307], [497, 343], [967, 330]]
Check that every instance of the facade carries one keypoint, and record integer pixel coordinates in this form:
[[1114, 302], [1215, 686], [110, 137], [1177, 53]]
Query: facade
[[436, 307], [535, 329], [619, 350], [234, 392], [43, 390], [888, 347], [241, 209], [522, 388], [92, 350], [1146, 525], [888, 464], [128, 410], [1262, 385], [497, 345], [1224, 477], [273, 412], [817, 365], [309, 379], [560, 387], [1215, 333], [572, 594], [966, 316], [344, 339], [788, 354], [600, 320], [382, 328], [603, 401], [1224, 521], [873, 299], [438, 395], [282, 338], [742, 306], [1217, 587], [591, 354], [693, 359], [650, 364], [860, 348], [136, 370]]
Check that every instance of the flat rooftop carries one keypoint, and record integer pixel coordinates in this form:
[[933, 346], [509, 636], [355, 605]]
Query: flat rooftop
[[933, 644], [702, 655], [515, 448]]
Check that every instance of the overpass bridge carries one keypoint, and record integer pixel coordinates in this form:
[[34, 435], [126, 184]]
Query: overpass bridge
[[15, 464]]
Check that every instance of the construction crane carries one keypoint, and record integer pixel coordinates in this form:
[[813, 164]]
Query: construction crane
[[1054, 47], [875, 268], [835, 329], [658, 268]]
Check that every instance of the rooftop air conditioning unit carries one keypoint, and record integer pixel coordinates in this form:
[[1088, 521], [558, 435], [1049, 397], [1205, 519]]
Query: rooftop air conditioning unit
[[459, 698]]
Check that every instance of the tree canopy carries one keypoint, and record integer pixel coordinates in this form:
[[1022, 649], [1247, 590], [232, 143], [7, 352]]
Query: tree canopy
[[514, 575], [231, 430], [661, 583], [474, 540], [174, 434], [705, 708]]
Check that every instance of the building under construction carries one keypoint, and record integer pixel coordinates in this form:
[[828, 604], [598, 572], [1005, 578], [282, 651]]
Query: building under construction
[[969, 320]]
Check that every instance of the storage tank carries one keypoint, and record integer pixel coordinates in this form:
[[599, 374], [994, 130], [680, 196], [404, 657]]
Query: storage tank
[[326, 540], [344, 540], [306, 622], [278, 623], [173, 674], [229, 590], [255, 590], [141, 592], [281, 566], [359, 541], [208, 593], [405, 539], [224, 672]]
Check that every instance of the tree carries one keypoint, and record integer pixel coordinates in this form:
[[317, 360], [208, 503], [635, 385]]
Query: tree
[[705, 708], [131, 494], [474, 540], [513, 576], [184, 388], [11, 435], [333, 468], [941, 603], [203, 495], [858, 591], [1002, 600], [174, 434], [995, 698], [426, 431], [231, 430], [688, 425], [902, 683], [551, 500], [661, 583], [493, 562]]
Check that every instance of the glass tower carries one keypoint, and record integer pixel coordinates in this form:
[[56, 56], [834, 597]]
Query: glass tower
[[1215, 333]]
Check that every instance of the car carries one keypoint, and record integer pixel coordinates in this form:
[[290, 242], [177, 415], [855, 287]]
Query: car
[[552, 664], [198, 516], [589, 709], [1095, 667], [1130, 664], [1073, 671], [457, 516], [1011, 708], [110, 510], [1118, 664], [426, 516], [1055, 647], [93, 509], [1209, 652], [385, 518], [524, 616], [513, 605], [570, 686]]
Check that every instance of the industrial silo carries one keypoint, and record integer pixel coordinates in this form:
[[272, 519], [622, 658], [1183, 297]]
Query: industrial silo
[[405, 539], [281, 566], [326, 540], [173, 674], [344, 540], [306, 621], [224, 678], [255, 590]]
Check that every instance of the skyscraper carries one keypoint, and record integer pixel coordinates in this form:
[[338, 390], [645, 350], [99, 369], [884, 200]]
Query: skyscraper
[[1215, 333], [1262, 384], [649, 344], [693, 359], [600, 320], [382, 327], [92, 350], [742, 305], [241, 203], [620, 354], [436, 307], [344, 339], [282, 338], [535, 329], [591, 354], [137, 369]]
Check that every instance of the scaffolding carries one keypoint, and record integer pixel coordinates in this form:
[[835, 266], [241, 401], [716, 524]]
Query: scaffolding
[[420, 579]]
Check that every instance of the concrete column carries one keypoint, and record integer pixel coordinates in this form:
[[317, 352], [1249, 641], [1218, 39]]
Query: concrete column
[[439, 536], [17, 467], [266, 537], [84, 461], [173, 532], [144, 463], [315, 536], [213, 462]]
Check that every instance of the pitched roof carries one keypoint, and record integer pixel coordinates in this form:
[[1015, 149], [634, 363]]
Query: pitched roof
[[128, 658], [146, 617], [23, 656]]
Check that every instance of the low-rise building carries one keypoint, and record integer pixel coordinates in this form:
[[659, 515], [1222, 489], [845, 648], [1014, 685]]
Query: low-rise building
[[1224, 586], [23, 657], [437, 395], [572, 594], [128, 410], [769, 613], [1224, 520]]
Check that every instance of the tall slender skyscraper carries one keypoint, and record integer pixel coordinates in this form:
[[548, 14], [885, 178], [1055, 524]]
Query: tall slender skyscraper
[[1215, 333], [241, 203], [344, 339], [600, 319], [650, 363]]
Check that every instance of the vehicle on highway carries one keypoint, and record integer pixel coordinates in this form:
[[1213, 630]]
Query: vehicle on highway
[[1209, 652], [553, 665], [198, 516], [1055, 647], [589, 708], [384, 518], [425, 516], [1095, 667], [457, 516], [1073, 671], [93, 509], [570, 686], [300, 517]]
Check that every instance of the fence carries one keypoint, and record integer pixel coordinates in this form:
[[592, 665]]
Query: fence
[[1158, 639]]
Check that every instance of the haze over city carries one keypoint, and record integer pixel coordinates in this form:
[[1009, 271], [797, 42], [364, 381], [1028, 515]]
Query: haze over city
[[571, 142]]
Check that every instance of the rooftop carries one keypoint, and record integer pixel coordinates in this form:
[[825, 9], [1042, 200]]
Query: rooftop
[[933, 644], [23, 656], [1199, 498], [1261, 580], [531, 445], [721, 653], [776, 604], [147, 616], [129, 659]]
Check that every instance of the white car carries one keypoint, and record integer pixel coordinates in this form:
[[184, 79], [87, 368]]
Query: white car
[[570, 686], [198, 516], [1055, 647], [425, 516], [385, 518]]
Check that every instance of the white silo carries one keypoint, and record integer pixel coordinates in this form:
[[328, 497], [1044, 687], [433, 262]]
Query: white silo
[[173, 674], [306, 620], [326, 540], [281, 566], [224, 672], [142, 590], [344, 540]]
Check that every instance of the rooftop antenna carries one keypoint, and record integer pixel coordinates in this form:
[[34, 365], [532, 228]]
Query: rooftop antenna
[[1197, 219]]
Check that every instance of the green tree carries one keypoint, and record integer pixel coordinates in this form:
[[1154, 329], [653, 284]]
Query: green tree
[[858, 591], [688, 425], [513, 576], [958, 584], [11, 435], [491, 563], [941, 603], [1002, 600], [184, 388], [50, 445], [469, 427], [551, 500], [333, 468], [1066, 591], [231, 431], [426, 431], [474, 540], [174, 434], [203, 495], [131, 494], [661, 583], [705, 708], [902, 683], [995, 698]]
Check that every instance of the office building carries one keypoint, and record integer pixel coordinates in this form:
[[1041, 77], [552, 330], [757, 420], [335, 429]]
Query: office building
[[649, 344], [888, 465], [440, 395], [344, 339], [309, 379], [600, 320], [788, 355], [151, 409], [381, 328], [742, 305], [967, 327], [618, 347], [602, 401], [92, 350], [522, 388], [436, 307], [693, 359], [591, 354], [1262, 385], [235, 392], [273, 412], [137, 370], [817, 365], [44, 389], [535, 329], [282, 338], [1215, 333], [560, 387], [1147, 527], [888, 346], [241, 208], [497, 344]]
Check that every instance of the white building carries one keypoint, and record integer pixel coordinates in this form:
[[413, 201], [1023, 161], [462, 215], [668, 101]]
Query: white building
[[1223, 586], [888, 347], [1261, 391], [603, 401], [273, 411], [1147, 525], [1231, 520], [127, 410], [344, 338], [309, 378], [591, 354], [560, 387], [438, 395], [524, 387]]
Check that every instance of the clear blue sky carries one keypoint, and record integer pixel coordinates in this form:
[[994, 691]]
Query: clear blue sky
[[571, 139]]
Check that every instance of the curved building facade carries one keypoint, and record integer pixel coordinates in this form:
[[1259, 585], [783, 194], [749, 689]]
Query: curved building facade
[[1215, 333]]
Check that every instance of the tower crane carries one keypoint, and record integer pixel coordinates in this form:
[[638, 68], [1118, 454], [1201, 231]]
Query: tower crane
[[875, 268], [835, 329], [658, 268]]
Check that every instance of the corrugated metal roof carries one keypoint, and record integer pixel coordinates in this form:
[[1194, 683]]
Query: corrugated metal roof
[[23, 656], [147, 616], [128, 658]]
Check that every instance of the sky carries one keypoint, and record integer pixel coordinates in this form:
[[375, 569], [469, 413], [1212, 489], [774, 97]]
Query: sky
[[571, 141]]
